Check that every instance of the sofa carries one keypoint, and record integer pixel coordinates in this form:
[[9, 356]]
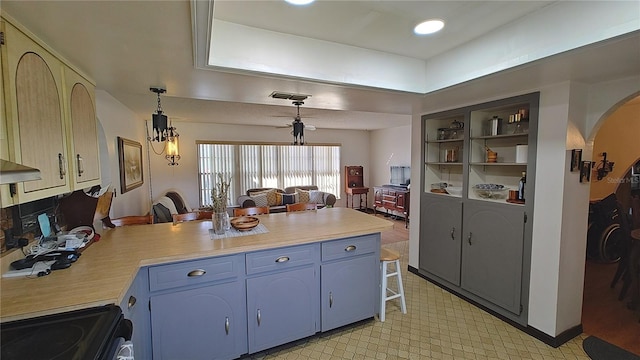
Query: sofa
[[277, 199]]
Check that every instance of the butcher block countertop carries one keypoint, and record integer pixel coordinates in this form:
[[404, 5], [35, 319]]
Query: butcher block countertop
[[106, 269]]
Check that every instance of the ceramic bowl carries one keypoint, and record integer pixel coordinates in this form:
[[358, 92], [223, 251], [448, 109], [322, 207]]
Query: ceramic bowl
[[244, 223], [454, 190]]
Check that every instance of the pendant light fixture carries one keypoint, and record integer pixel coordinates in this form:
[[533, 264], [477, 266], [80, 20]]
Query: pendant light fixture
[[166, 135]]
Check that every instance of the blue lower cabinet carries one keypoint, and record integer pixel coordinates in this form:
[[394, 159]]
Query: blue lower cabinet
[[349, 280], [202, 323], [282, 307], [349, 291], [135, 307]]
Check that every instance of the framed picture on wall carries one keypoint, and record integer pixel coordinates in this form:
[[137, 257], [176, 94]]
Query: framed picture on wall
[[576, 159], [585, 171], [130, 161]]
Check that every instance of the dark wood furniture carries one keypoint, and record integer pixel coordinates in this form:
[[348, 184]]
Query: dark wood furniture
[[395, 198], [354, 185]]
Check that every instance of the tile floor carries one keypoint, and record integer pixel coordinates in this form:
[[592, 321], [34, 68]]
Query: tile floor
[[438, 325]]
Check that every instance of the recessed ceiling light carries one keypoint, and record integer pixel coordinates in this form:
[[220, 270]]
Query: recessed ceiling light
[[299, 2], [429, 27]]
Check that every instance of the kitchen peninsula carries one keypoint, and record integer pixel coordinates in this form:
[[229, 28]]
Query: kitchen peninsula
[[316, 263]]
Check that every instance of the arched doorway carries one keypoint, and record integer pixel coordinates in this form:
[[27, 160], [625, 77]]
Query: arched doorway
[[605, 313]]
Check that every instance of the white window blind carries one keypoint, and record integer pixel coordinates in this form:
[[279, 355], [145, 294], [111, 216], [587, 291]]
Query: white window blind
[[269, 166]]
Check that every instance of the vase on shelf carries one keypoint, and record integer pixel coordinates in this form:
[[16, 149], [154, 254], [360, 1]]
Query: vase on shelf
[[220, 222]]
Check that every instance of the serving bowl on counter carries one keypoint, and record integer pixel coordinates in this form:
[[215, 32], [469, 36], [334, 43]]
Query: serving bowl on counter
[[491, 191], [244, 223]]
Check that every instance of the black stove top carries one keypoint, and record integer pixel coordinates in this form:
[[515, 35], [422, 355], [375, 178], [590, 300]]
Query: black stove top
[[84, 334]]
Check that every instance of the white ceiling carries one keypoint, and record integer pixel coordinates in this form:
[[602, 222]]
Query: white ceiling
[[128, 46]]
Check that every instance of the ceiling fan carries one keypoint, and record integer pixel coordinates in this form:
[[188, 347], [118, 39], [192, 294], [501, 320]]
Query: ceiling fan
[[298, 126]]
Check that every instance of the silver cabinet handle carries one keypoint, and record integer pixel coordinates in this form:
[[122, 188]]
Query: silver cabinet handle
[[259, 317], [80, 164], [226, 325], [330, 299], [350, 248], [196, 272], [453, 231], [282, 259], [61, 166], [132, 301], [469, 239]]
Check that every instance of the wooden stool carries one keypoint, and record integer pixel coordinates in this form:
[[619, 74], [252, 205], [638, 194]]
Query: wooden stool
[[386, 257]]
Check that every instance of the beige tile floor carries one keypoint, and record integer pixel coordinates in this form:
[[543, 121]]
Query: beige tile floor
[[438, 325]]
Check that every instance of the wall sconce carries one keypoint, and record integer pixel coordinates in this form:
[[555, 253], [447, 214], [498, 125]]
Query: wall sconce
[[163, 133], [604, 167]]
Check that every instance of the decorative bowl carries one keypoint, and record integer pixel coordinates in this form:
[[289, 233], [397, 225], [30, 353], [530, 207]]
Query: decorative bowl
[[437, 186], [454, 190], [491, 191], [244, 223]]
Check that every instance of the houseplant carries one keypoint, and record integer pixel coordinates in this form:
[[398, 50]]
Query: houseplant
[[219, 201]]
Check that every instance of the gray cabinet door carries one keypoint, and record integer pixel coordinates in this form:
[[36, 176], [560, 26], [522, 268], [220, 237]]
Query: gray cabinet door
[[492, 253], [203, 323], [440, 237], [349, 291], [135, 308], [282, 307]]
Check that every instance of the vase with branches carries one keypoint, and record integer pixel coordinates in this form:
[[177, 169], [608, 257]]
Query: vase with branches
[[219, 202]]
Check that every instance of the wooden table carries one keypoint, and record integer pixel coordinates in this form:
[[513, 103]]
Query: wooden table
[[351, 191]]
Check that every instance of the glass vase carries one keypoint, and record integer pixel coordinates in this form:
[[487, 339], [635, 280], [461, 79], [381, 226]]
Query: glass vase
[[220, 222]]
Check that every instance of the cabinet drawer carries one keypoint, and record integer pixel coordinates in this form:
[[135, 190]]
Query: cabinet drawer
[[194, 272], [280, 259], [339, 249]]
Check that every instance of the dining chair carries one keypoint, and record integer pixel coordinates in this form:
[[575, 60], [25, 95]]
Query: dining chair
[[250, 211], [133, 220], [204, 215], [190, 216], [301, 207]]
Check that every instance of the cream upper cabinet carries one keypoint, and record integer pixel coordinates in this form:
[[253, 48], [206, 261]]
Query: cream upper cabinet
[[84, 157], [50, 118]]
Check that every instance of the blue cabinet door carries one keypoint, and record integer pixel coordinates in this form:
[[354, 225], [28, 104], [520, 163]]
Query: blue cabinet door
[[349, 291], [135, 307], [282, 307], [202, 323]]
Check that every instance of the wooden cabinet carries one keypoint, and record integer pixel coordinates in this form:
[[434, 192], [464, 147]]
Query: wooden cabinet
[[353, 177], [282, 296], [354, 185], [198, 309], [392, 198], [83, 150], [45, 111], [348, 291], [474, 242]]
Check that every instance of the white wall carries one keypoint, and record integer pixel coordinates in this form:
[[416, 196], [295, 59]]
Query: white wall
[[389, 147], [117, 120]]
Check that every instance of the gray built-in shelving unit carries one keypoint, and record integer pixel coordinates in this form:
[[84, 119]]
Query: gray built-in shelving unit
[[476, 246]]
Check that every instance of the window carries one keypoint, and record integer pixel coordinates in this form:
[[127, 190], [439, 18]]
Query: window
[[270, 166]]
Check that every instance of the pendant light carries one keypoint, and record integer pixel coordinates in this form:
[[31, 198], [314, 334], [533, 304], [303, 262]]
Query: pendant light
[[167, 135]]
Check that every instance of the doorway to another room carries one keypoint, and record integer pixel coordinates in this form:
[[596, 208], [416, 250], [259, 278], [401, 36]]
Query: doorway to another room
[[608, 312]]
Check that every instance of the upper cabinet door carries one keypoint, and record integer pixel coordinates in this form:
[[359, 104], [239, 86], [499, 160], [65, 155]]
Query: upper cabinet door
[[84, 156], [35, 85]]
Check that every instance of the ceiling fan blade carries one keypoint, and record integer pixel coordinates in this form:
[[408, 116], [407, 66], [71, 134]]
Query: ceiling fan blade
[[309, 127]]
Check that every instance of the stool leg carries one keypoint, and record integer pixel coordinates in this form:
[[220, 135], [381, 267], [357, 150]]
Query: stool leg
[[401, 288], [383, 290]]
